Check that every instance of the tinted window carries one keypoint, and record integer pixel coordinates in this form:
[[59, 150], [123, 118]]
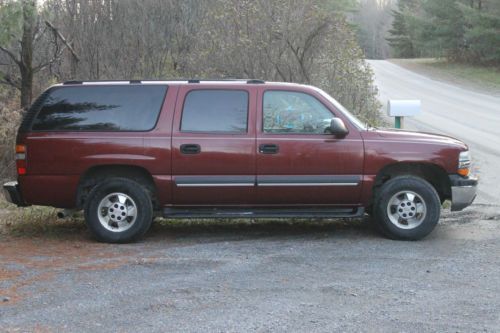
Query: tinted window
[[215, 111], [101, 108], [294, 112]]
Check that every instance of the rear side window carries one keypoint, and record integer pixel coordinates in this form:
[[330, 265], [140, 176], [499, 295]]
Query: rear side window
[[101, 108], [215, 111]]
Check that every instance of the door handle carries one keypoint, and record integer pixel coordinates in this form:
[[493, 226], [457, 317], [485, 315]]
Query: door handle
[[269, 148], [190, 148]]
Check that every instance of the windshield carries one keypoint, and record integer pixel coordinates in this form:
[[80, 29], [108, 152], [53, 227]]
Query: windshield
[[352, 118]]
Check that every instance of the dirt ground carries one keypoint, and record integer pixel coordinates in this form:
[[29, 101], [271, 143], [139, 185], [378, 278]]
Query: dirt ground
[[320, 275]]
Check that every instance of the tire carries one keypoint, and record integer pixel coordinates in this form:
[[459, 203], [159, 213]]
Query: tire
[[118, 210], [406, 208]]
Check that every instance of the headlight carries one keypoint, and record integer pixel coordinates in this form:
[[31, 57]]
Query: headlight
[[464, 163]]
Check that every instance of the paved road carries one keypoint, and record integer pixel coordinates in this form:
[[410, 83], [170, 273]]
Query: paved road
[[451, 110]]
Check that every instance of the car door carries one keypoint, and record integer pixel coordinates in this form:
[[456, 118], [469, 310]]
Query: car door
[[297, 162], [213, 145]]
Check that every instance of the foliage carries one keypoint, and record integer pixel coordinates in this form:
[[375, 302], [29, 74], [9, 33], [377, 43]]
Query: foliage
[[482, 33], [286, 40], [401, 39], [11, 17], [10, 117], [461, 30], [265, 41]]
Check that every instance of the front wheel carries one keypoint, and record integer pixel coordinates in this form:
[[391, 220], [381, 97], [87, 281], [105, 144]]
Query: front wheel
[[118, 210], [407, 208]]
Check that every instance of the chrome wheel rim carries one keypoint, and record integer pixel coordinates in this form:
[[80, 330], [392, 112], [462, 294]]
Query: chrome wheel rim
[[406, 210], [117, 212]]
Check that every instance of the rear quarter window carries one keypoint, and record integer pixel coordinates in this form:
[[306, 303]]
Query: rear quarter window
[[100, 108]]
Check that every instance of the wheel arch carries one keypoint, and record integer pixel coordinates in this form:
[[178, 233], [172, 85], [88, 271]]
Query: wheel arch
[[93, 175], [432, 173]]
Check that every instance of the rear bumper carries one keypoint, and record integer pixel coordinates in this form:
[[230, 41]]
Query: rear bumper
[[463, 191], [13, 194]]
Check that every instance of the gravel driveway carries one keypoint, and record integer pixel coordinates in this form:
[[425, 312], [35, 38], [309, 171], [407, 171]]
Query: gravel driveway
[[323, 276]]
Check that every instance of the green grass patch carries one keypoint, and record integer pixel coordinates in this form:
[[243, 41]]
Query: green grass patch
[[473, 76]]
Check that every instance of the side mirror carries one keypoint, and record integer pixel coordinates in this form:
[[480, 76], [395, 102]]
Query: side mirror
[[338, 128]]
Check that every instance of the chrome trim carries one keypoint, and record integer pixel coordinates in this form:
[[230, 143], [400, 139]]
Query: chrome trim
[[215, 185], [267, 180], [307, 184]]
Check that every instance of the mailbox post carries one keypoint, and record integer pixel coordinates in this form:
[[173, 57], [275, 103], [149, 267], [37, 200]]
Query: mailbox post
[[402, 108]]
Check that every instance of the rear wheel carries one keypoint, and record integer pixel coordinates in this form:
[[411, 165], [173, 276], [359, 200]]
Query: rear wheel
[[118, 210], [406, 208]]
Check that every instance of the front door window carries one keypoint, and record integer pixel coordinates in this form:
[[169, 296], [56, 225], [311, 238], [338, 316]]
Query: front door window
[[294, 112]]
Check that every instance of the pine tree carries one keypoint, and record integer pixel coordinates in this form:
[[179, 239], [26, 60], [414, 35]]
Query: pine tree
[[482, 33], [401, 39]]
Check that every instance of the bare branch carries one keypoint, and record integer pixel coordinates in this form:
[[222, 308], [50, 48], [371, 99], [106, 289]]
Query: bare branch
[[39, 34], [50, 62], [9, 81], [11, 55], [61, 37]]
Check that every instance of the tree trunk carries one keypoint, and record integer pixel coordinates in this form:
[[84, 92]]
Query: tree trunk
[[26, 64]]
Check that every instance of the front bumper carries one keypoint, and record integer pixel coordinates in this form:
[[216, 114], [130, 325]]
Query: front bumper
[[463, 191], [13, 194]]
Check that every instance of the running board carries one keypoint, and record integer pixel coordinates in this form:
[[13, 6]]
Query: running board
[[203, 212]]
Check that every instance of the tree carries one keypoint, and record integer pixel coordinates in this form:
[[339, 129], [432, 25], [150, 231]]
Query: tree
[[442, 32], [401, 39], [283, 40], [23, 57], [286, 40], [482, 31], [25, 32], [460, 30]]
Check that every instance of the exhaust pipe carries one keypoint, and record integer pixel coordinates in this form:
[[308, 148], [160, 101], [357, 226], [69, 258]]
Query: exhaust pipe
[[62, 214]]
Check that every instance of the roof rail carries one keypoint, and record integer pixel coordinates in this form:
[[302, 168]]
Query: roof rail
[[248, 81], [73, 82], [254, 81]]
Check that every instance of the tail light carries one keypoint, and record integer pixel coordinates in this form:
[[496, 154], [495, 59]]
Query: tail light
[[21, 159]]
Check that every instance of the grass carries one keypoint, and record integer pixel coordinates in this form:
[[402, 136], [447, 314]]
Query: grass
[[42, 221], [35, 220], [471, 76]]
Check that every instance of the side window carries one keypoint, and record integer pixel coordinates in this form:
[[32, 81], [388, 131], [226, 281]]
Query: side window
[[101, 108], [294, 112], [215, 111]]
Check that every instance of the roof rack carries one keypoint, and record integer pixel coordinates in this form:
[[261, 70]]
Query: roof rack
[[73, 82], [248, 81], [254, 81]]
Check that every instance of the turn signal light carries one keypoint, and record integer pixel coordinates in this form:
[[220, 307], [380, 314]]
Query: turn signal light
[[464, 172], [20, 149]]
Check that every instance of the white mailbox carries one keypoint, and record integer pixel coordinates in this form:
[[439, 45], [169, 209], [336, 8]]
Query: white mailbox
[[403, 108]]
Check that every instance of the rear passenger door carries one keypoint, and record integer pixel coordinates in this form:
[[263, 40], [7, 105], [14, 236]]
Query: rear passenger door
[[213, 145]]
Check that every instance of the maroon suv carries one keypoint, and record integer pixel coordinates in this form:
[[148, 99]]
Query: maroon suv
[[124, 150]]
